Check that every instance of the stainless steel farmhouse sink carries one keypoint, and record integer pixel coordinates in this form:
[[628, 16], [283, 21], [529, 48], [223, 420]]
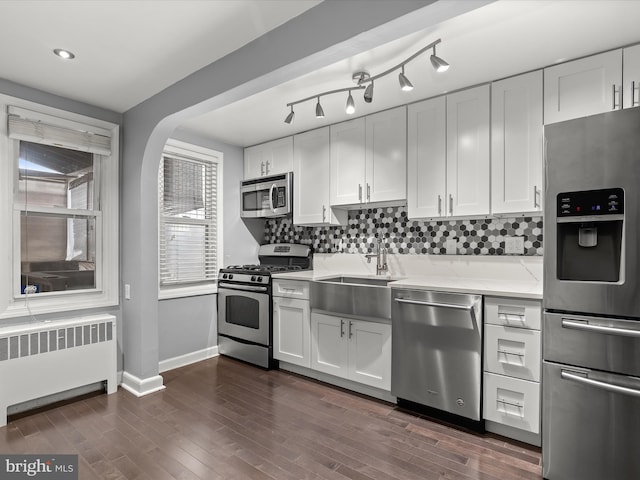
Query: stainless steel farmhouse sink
[[366, 297]]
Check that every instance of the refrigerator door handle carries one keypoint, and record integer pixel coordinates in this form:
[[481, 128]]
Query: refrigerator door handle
[[578, 325], [597, 384]]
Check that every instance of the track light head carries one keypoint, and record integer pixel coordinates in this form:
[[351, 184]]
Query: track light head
[[405, 84], [351, 106], [319, 111], [439, 64], [368, 93], [290, 117]]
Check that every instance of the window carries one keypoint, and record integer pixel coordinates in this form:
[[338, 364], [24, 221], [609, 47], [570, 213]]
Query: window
[[189, 184], [61, 174]]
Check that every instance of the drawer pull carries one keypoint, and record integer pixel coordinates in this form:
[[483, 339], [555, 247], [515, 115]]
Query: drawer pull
[[512, 318], [504, 352], [506, 411]]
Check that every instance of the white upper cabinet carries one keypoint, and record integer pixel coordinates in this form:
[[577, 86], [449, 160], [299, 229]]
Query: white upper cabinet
[[427, 158], [311, 183], [348, 161], [386, 156], [516, 144], [631, 85], [271, 158], [368, 159], [583, 87], [468, 152]]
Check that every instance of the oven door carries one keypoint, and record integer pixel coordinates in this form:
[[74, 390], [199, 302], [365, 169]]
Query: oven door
[[243, 313]]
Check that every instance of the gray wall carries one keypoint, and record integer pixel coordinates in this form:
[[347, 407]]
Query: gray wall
[[187, 325]]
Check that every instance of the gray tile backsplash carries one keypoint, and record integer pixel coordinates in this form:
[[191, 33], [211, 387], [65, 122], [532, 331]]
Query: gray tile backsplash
[[401, 235]]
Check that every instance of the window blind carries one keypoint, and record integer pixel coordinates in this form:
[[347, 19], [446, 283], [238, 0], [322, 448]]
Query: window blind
[[188, 220], [42, 128]]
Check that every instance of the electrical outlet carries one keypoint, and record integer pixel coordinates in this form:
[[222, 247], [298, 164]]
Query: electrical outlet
[[514, 245], [451, 246]]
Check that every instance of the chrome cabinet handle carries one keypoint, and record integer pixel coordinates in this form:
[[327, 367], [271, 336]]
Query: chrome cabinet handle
[[341, 328], [324, 213], [450, 204], [368, 192], [359, 192], [262, 172], [609, 387], [266, 166], [439, 205], [633, 93], [504, 352], [350, 332], [616, 106], [513, 404], [536, 203], [624, 332]]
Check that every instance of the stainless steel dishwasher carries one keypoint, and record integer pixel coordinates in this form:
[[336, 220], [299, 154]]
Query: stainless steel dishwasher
[[436, 356]]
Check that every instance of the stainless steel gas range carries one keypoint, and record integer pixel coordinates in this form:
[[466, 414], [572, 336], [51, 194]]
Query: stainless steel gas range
[[245, 302]]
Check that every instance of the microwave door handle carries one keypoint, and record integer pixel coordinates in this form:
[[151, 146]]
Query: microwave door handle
[[271, 203]]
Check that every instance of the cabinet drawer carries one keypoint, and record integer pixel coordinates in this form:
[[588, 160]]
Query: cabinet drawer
[[291, 289], [512, 402], [514, 312], [512, 351]]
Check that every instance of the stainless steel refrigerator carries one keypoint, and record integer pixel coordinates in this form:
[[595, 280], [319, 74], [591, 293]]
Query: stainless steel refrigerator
[[591, 332]]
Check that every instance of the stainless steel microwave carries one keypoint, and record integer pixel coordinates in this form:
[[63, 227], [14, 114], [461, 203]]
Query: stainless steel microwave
[[267, 196]]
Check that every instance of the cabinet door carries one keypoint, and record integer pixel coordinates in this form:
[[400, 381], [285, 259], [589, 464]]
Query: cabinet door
[[386, 156], [291, 331], [516, 144], [348, 162], [468, 152], [254, 162], [631, 77], [311, 177], [279, 156], [370, 353], [329, 345], [427, 157], [583, 87]]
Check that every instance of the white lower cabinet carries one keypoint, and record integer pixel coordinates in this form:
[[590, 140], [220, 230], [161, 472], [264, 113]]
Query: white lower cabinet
[[357, 350], [291, 323], [512, 401], [512, 366]]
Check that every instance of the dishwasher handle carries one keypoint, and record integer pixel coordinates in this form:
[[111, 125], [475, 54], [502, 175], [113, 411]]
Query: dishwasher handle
[[451, 306], [435, 304]]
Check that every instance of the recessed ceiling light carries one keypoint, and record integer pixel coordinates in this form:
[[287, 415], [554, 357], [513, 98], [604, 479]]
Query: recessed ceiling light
[[66, 54]]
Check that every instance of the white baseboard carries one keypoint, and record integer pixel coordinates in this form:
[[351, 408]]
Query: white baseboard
[[141, 387], [187, 359]]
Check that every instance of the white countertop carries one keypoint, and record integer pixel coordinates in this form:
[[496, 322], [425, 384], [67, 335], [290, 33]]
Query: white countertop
[[519, 277]]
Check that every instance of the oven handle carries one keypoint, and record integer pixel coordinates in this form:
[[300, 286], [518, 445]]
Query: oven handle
[[625, 332], [602, 385], [246, 288]]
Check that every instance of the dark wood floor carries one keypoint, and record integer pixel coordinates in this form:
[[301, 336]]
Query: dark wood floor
[[222, 419]]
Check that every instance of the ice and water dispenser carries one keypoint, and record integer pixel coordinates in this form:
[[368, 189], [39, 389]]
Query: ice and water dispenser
[[589, 235]]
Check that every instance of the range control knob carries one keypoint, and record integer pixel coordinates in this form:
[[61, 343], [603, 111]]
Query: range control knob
[[253, 278], [224, 275], [230, 276]]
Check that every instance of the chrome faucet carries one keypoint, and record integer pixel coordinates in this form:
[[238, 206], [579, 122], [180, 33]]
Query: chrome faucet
[[381, 258]]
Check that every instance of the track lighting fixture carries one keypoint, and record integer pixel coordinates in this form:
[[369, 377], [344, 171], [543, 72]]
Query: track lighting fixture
[[439, 64], [365, 81], [351, 106], [405, 84], [368, 93], [319, 111], [290, 117]]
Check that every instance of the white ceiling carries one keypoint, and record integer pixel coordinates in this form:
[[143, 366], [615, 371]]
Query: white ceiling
[[129, 50]]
